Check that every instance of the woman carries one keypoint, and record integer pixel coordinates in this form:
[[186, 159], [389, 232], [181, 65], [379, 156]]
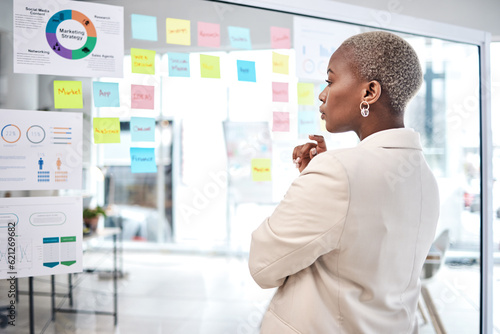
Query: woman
[[347, 243]]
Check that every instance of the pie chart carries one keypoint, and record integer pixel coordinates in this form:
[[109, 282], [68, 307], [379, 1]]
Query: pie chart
[[71, 34]]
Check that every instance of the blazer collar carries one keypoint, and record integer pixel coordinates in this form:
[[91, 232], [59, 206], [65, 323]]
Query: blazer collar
[[393, 138]]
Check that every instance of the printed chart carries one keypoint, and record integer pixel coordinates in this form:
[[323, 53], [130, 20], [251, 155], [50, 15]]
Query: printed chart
[[68, 38], [40, 150], [48, 237]]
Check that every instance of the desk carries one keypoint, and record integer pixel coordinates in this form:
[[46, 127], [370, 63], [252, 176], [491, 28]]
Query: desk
[[100, 233]]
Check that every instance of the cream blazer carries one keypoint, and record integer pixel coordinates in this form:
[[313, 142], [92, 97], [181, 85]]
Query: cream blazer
[[347, 243]]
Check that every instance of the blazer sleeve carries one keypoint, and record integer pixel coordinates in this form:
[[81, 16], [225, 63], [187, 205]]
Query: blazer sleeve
[[306, 224]]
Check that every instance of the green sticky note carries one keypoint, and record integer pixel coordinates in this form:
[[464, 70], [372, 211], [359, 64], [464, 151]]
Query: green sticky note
[[210, 66], [143, 61], [106, 130], [305, 93], [68, 95], [261, 170]]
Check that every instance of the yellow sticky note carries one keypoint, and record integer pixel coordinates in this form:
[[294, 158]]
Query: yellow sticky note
[[178, 31], [280, 63], [210, 66], [322, 126], [143, 61], [305, 93], [261, 169], [68, 95], [106, 130]]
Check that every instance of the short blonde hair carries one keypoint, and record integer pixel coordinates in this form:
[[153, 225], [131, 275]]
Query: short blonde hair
[[388, 59]]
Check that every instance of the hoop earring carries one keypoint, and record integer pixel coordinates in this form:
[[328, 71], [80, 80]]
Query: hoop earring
[[364, 109]]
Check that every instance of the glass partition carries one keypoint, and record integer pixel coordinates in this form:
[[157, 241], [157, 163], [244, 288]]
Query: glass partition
[[224, 139]]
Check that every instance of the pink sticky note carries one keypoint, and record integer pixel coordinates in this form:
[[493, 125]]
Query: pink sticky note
[[143, 97], [208, 34], [281, 121], [280, 38], [280, 92]]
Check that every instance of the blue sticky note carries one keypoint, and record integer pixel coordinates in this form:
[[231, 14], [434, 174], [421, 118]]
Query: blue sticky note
[[106, 94], [142, 160], [144, 27], [246, 70], [240, 38], [308, 122], [178, 65], [142, 129]]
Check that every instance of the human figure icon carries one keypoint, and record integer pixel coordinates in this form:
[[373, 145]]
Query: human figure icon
[[58, 163], [40, 164]]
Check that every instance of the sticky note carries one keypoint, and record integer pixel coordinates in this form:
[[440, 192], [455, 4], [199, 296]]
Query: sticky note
[[210, 66], [280, 92], [178, 65], [239, 38], [142, 160], [106, 130], [143, 61], [246, 70], [261, 170], [281, 121], [280, 63], [209, 34], [106, 94], [144, 27], [280, 38], [142, 129], [305, 93], [308, 122], [143, 97], [68, 95], [178, 31]]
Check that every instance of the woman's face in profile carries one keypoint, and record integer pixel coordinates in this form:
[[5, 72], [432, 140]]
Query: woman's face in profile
[[342, 96]]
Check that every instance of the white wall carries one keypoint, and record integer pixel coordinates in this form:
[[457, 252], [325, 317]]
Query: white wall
[[478, 14]]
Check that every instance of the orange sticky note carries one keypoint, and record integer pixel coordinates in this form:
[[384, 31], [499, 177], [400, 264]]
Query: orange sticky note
[[261, 170], [280, 63], [178, 31], [143, 61]]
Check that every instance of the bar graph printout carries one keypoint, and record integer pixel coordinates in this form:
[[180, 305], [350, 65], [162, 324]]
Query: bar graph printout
[[40, 150], [48, 236]]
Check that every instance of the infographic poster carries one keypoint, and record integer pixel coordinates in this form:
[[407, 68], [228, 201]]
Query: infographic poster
[[40, 150], [40, 236], [68, 38]]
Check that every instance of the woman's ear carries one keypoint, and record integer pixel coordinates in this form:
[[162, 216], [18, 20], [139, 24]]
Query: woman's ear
[[372, 91]]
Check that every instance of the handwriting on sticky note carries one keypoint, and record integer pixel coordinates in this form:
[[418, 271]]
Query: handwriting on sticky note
[[178, 31], [143, 97], [280, 63], [281, 121], [305, 93], [261, 170], [142, 160], [239, 38], [210, 66], [143, 61], [246, 70], [142, 129], [106, 130], [280, 92], [68, 95], [178, 65], [308, 122], [280, 38], [106, 94], [144, 27], [208, 34]]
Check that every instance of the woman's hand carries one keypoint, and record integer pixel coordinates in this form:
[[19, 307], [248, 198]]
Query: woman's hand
[[303, 154]]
